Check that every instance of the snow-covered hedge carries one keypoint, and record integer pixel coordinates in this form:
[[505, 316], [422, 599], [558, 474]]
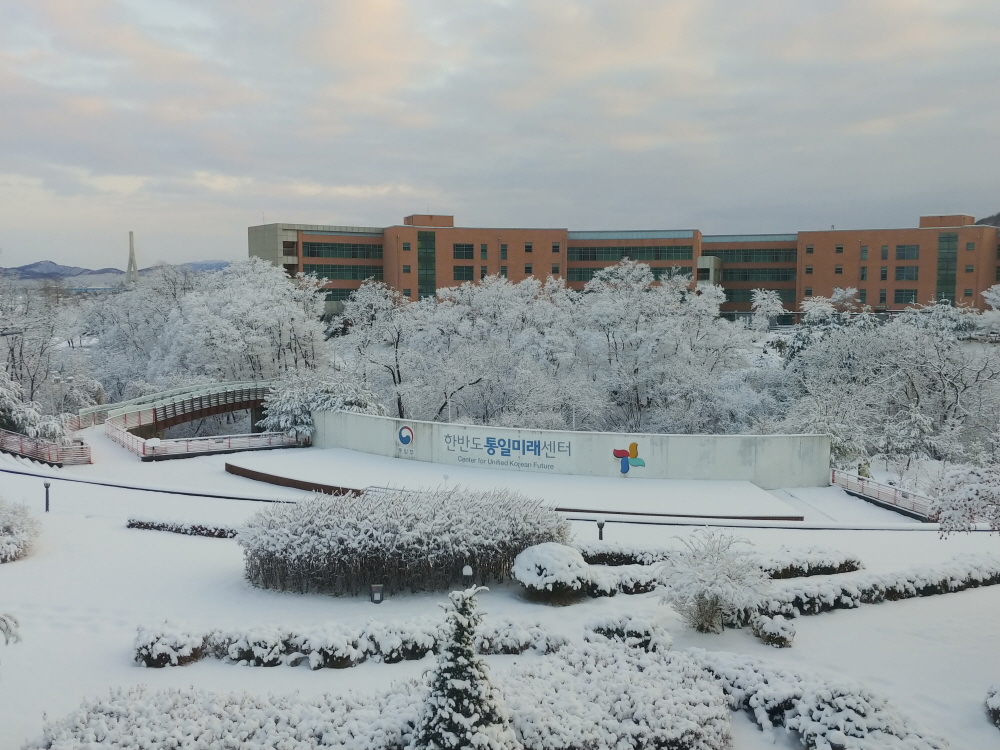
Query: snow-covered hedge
[[167, 645], [780, 563], [403, 539], [993, 704], [632, 631], [18, 530], [811, 597], [334, 646], [191, 529], [774, 631], [557, 572], [591, 696], [825, 714]]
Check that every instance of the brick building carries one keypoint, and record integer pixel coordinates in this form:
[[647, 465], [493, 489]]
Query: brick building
[[946, 257]]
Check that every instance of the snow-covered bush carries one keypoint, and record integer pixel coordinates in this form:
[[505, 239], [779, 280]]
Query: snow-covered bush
[[825, 714], [257, 647], [632, 631], [969, 495], [780, 563], [288, 406], [394, 642], [26, 417], [9, 629], [190, 529], [167, 645], [774, 631], [993, 704], [554, 571], [711, 582], [403, 539], [592, 696], [18, 530], [813, 596], [464, 708], [510, 637]]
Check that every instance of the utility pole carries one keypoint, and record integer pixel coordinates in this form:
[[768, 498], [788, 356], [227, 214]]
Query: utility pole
[[132, 273]]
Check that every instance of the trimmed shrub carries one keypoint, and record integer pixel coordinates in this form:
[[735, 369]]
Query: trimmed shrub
[[774, 631], [403, 539], [825, 714], [190, 529], [260, 647], [993, 704], [555, 572], [18, 530], [167, 646], [632, 631]]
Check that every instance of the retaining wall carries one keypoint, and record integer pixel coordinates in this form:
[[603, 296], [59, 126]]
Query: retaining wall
[[769, 461]]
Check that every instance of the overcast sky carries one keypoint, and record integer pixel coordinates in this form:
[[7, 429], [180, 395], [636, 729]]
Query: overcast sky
[[189, 121]]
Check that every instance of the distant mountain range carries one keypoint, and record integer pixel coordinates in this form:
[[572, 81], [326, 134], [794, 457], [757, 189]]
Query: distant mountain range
[[991, 221], [47, 270]]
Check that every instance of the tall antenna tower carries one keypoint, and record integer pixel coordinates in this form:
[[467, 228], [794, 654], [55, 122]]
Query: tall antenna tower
[[132, 273]]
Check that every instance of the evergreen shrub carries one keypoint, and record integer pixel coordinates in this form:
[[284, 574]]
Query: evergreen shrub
[[402, 539], [18, 530]]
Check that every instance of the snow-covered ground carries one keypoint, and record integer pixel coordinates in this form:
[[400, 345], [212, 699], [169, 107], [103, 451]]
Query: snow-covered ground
[[89, 582]]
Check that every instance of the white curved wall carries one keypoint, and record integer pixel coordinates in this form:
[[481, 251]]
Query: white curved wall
[[769, 461]]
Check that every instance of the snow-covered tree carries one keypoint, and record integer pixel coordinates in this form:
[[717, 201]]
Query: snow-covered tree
[[464, 708], [289, 405], [766, 305], [713, 582], [969, 495], [26, 417]]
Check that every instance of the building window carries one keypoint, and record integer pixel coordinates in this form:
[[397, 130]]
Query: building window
[[883, 273], [809, 270], [968, 292], [580, 274], [838, 269], [351, 273], [555, 269], [406, 269], [289, 247], [767, 255], [904, 296], [885, 252], [757, 274], [426, 264], [907, 252], [840, 248], [906, 273], [881, 296], [970, 245], [809, 291], [340, 250], [947, 266], [969, 269], [483, 272], [660, 252], [864, 252], [527, 247], [527, 269], [503, 271], [463, 273], [407, 292], [503, 252], [339, 295], [555, 247], [746, 295], [863, 296], [406, 246], [809, 249], [659, 273], [864, 273], [462, 251], [483, 252]]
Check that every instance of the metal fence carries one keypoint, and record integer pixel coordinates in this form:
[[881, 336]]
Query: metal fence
[[152, 450], [914, 503], [41, 450]]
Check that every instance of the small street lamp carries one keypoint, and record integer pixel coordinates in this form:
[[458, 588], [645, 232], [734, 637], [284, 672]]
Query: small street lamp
[[467, 576], [600, 528], [47, 485], [376, 594]]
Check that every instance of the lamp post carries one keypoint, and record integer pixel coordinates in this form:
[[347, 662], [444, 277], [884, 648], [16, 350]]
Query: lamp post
[[47, 485], [600, 528], [467, 576], [376, 593]]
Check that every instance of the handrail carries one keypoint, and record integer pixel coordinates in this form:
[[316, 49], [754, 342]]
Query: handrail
[[912, 503], [42, 450]]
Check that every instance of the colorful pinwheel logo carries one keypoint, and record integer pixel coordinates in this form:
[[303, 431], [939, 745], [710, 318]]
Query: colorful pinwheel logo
[[405, 435], [629, 457]]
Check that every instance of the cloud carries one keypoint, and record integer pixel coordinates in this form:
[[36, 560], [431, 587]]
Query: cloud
[[191, 120]]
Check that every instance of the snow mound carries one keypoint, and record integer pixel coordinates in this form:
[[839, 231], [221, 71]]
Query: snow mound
[[993, 704], [553, 568]]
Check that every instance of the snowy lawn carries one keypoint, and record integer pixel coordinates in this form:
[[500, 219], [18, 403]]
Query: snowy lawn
[[89, 582]]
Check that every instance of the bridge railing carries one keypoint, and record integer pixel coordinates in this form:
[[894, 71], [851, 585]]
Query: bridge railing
[[189, 446], [42, 450], [913, 502]]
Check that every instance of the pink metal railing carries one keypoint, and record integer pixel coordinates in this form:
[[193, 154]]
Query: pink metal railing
[[41, 450], [884, 493]]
